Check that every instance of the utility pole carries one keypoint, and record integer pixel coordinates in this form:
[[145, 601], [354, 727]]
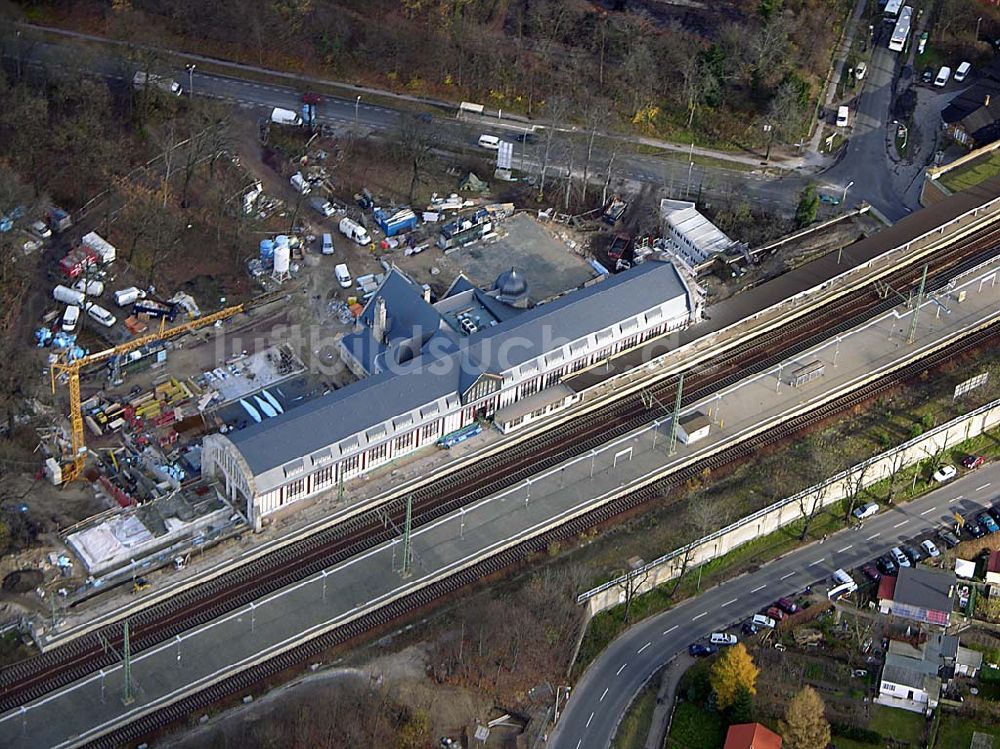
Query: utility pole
[[405, 570], [916, 309], [677, 415]]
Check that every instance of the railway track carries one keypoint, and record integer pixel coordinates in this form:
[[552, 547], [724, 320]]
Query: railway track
[[427, 596], [34, 677]]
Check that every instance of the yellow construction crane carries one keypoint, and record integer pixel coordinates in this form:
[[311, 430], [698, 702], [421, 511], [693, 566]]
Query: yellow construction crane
[[73, 469]]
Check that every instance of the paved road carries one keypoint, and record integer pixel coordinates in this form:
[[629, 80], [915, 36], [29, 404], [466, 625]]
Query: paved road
[[865, 161], [676, 173], [603, 694]]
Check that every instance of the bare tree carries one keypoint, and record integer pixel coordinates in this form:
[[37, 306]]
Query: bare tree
[[897, 462], [556, 111], [629, 585], [698, 84], [854, 482], [416, 141], [595, 118]]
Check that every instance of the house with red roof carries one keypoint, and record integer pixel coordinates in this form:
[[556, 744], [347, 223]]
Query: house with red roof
[[752, 736]]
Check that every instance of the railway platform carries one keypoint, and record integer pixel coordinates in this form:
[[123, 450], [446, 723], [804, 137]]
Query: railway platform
[[205, 655]]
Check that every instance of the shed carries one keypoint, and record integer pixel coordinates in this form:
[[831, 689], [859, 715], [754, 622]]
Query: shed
[[993, 568], [693, 427], [752, 736]]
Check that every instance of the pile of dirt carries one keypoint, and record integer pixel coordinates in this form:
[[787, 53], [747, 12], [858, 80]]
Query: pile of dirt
[[23, 581]]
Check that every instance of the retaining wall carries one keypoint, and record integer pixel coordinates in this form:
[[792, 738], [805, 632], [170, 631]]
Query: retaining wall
[[793, 508]]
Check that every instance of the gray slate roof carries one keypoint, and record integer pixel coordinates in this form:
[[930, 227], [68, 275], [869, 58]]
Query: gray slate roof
[[383, 396], [925, 588]]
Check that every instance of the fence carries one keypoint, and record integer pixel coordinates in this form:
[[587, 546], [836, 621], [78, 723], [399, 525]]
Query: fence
[[793, 508]]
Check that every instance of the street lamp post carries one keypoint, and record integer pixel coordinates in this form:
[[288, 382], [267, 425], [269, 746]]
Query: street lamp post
[[978, 21], [357, 103], [849, 185], [190, 70]]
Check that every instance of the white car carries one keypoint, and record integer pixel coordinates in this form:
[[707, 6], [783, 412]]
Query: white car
[[962, 71], [943, 76], [101, 315], [41, 229], [70, 318], [342, 275], [865, 511], [843, 116], [722, 638], [759, 620], [945, 473], [861, 71], [899, 557], [930, 548]]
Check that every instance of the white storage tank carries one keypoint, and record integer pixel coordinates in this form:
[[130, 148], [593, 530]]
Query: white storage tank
[[282, 260]]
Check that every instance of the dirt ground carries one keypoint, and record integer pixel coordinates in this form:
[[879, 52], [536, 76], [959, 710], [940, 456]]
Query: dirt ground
[[795, 253], [403, 674]]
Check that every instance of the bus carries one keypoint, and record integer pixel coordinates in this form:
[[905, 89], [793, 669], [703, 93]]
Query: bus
[[891, 11], [902, 31]]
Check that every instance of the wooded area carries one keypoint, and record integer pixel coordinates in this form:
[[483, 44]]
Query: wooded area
[[719, 72]]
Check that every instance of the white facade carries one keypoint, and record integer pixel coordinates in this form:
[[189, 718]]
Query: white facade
[[445, 410]]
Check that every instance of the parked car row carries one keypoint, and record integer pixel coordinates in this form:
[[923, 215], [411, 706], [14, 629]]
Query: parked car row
[[769, 619]]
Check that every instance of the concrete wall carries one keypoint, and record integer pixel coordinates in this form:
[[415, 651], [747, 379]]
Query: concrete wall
[[791, 509]]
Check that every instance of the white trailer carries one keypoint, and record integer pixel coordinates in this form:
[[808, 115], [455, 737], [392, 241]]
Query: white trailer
[[103, 248]]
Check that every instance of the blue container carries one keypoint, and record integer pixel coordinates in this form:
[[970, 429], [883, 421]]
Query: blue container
[[266, 250]]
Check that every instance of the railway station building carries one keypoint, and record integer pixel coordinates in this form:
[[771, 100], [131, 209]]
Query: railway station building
[[428, 370]]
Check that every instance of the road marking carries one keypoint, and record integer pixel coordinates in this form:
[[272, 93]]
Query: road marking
[[980, 488], [930, 509], [873, 536], [785, 577], [643, 648], [901, 523], [818, 561], [849, 546], [759, 587], [621, 669], [699, 616], [588, 720], [729, 602], [605, 694], [668, 631], [578, 743]]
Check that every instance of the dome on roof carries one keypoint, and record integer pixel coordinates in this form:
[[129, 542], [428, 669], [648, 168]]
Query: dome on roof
[[510, 285]]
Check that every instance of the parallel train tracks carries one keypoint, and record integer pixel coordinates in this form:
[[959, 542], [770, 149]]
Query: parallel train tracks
[[425, 597], [30, 679]]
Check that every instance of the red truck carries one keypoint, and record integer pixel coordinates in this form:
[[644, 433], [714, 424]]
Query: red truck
[[77, 261]]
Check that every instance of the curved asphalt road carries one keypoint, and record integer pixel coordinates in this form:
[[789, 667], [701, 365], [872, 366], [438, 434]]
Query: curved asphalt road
[[601, 697]]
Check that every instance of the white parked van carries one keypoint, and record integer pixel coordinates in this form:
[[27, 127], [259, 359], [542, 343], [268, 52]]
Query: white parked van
[[101, 315], [962, 71], [354, 230], [67, 295], [300, 184], [89, 287], [841, 584], [342, 275], [70, 318], [131, 295], [944, 74], [327, 244], [490, 142]]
